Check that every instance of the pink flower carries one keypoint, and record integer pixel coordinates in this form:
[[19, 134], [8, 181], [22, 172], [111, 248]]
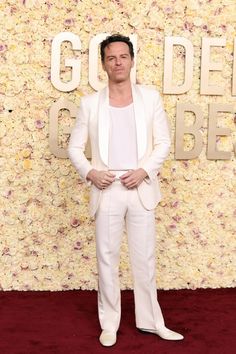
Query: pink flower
[[168, 10], [75, 222], [39, 124], [176, 218], [78, 245], [69, 22], [3, 48], [61, 230], [7, 194], [172, 226], [6, 251], [218, 11], [65, 286], [175, 204], [185, 163], [224, 27], [188, 26]]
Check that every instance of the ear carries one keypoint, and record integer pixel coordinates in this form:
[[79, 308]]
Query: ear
[[132, 63], [103, 66]]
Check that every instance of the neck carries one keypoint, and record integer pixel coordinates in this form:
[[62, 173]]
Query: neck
[[120, 94]]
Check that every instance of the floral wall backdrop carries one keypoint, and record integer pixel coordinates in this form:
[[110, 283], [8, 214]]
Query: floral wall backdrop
[[46, 235]]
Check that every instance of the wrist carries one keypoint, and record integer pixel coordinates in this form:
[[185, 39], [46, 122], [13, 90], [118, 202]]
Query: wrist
[[90, 175], [144, 172]]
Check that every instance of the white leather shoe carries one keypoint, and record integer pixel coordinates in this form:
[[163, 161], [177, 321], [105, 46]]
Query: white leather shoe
[[165, 333], [107, 338]]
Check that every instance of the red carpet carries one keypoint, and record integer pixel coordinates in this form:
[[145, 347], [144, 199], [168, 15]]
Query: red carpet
[[66, 323]]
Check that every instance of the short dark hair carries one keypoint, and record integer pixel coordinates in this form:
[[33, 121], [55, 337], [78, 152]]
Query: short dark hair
[[116, 38]]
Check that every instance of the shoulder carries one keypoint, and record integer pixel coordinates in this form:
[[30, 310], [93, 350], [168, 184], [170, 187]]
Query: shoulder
[[94, 98], [89, 99], [148, 91]]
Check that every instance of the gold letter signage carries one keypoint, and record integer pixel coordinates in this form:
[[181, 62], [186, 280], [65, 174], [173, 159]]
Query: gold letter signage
[[189, 138]]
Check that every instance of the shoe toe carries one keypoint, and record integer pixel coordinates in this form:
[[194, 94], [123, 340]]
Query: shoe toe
[[164, 333], [107, 338], [169, 334]]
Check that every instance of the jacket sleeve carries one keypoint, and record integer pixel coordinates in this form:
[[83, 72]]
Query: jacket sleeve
[[161, 140], [78, 140]]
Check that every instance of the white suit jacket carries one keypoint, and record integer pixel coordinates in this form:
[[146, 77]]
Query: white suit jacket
[[153, 140]]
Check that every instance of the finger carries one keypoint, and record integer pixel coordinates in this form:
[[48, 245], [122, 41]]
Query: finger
[[130, 184], [127, 174], [105, 183], [125, 181], [109, 174], [109, 179], [130, 187]]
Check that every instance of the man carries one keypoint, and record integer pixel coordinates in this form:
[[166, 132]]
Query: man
[[130, 139]]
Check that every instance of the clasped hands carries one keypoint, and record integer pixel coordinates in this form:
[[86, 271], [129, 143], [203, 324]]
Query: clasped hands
[[103, 179]]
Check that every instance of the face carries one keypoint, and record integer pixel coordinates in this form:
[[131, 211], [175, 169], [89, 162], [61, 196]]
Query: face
[[117, 62]]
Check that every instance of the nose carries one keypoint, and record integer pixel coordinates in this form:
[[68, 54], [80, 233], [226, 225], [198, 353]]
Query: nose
[[118, 61]]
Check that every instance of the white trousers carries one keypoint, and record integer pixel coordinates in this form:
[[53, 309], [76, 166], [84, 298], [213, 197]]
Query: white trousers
[[120, 206]]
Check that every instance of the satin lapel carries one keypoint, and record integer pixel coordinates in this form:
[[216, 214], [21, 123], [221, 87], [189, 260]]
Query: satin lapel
[[140, 119], [103, 125]]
